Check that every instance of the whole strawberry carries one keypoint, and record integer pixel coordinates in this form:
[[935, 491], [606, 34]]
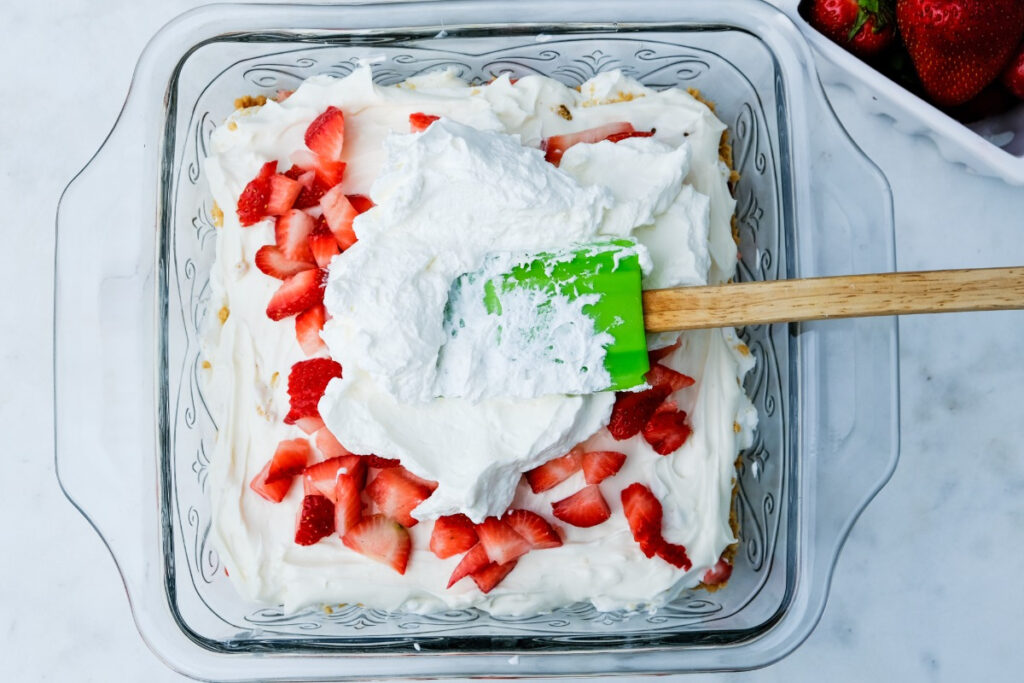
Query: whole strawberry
[[959, 46], [864, 27], [1013, 75]]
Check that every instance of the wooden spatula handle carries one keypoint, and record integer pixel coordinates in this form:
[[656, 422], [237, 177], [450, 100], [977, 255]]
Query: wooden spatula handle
[[848, 296]]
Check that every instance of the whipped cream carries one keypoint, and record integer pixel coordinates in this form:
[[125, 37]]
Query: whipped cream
[[674, 200]]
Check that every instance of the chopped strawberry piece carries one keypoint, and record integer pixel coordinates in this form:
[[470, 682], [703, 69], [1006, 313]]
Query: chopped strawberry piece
[[329, 172], [360, 202], [633, 409], [296, 173], [643, 514], [306, 384], [380, 539], [283, 192], [658, 355], [272, 261], [534, 528], [252, 203], [308, 325], [473, 561], [616, 137], [381, 463], [322, 476], [313, 189], [430, 485], [718, 574], [311, 424], [554, 472], [327, 444], [397, 494], [419, 121], [585, 508], [289, 459], [491, 575], [452, 534], [326, 134], [675, 555], [502, 542], [315, 520], [292, 235], [660, 375], [555, 146], [339, 214], [274, 491], [348, 503], [599, 465], [322, 243], [667, 430], [298, 293]]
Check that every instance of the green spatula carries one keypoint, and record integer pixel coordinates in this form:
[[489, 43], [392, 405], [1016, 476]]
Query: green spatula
[[607, 277]]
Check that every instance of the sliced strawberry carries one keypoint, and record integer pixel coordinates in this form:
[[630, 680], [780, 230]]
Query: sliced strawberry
[[296, 173], [534, 528], [315, 520], [675, 555], [339, 214], [381, 463], [272, 261], [283, 192], [643, 514], [311, 424], [599, 465], [292, 235], [633, 409], [274, 491], [452, 534], [307, 381], [313, 189], [555, 146], [331, 173], [718, 574], [308, 325], [667, 430], [326, 134], [348, 503], [360, 202], [419, 121], [289, 460], [475, 560], [616, 137], [380, 539], [396, 494], [661, 354], [298, 293], [501, 541], [585, 508], [252, 203], [322, 476], [661, 375], [327, 444], [491, 575], [322, 243], [554, 472]]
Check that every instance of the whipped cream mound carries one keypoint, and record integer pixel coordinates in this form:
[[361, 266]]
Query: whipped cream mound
[[668, 192]]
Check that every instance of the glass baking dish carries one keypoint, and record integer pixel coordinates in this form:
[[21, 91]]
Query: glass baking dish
[[133, 432]]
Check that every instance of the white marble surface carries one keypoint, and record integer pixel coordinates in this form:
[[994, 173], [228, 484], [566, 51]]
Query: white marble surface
[[927, 587]]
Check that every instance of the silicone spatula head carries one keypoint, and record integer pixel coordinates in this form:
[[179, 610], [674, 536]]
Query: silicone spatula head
[[595, 289]]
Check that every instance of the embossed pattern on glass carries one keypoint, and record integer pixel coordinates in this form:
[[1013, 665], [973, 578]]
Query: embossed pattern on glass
[[200, 593]]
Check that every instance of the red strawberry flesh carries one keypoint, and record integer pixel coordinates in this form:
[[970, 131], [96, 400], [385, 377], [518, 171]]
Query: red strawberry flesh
[[500, 541], [718, 574], [663, 376], [491, 575], [534, 528], [585, 508], [274, 491], [420, 122], [348, 503], [298, 293], [452, 534], [339, 214], [325, 136], [315, 521], [474, 560], [554, 472], [272, 261], [291, 232], [667, 431], [381, 539], [306, 384], [643, 514], [252, 203], [308, 325], [322, 243], [599, 465], [555, 146], [283, 192], [633, 409], [289, 459], [397, 494]]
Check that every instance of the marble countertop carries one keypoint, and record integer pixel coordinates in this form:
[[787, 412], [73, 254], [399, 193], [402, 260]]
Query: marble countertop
[[925, 589]]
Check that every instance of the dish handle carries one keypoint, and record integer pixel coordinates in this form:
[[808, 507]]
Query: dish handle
[[104, 379]]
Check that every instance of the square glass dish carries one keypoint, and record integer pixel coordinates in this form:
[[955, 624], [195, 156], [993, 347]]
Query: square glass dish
[[133, 431]]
